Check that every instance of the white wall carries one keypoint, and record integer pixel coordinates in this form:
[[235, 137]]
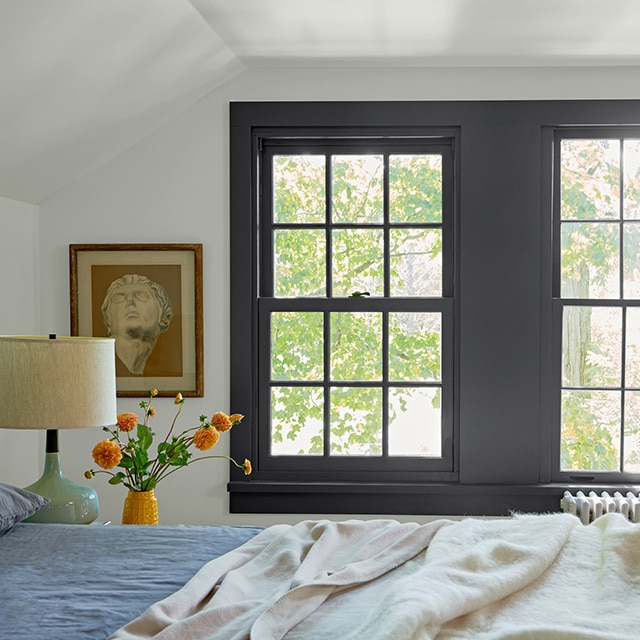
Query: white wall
[[21, 452], [173, 187]]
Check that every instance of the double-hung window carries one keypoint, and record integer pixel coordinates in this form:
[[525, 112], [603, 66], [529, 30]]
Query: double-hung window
[[350, 252], [355, 307], [597, 303]]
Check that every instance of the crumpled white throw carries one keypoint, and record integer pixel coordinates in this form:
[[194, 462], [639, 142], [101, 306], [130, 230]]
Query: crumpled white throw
[[530, 577]]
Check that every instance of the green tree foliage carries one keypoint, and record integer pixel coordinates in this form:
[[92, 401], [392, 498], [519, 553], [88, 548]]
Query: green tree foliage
[[358, 262], [591, 263]]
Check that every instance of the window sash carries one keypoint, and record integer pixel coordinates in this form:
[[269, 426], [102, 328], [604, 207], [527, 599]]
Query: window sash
[[559, 304], [273, 466]]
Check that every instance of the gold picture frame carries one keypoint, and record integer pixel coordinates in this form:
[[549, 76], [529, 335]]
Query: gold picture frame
[[149, 298]]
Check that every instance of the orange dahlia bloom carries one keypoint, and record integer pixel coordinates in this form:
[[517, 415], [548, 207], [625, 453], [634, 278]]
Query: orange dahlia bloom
[[236, 418], [107, 454], [127, 421], [221, 421], [205, 438], [246, 467]]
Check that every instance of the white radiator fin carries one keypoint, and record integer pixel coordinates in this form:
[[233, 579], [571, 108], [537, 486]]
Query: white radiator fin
[[592, 506]]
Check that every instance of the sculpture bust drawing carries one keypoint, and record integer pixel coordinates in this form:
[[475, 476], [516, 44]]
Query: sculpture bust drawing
[[136, 311]]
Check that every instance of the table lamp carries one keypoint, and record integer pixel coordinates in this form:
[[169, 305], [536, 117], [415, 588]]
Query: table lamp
[[58, 383]]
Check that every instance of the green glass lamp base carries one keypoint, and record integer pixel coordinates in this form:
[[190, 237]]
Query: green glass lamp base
[[71, 503]]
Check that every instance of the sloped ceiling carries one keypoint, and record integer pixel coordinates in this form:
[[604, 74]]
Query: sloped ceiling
[[83, 80]]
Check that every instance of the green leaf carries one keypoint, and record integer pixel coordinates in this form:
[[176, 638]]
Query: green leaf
[[145, 436]]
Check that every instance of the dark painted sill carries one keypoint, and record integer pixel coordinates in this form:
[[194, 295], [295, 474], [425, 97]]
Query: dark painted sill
[[403, 499]]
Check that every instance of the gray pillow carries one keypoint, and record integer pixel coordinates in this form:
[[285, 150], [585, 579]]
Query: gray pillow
[[16, 505]]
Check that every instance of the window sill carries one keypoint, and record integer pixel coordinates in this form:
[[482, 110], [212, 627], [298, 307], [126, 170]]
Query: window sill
[[403, 499]]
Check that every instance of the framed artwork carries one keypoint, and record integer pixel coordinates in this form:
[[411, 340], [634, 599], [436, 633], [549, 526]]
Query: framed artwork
[[148, 297]]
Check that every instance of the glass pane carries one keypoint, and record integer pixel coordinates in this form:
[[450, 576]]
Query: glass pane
[[358, 261], [356, 346], [631, 260], [299, 189], [297, 421], [415, 422], [590, 431], [296, 346], [632, 432], [415, 188], [416, 262], [357, 193], [591, 347], [631, 159], [356, 421], [300, 262], [414, 346], [590, 179], [590, 260], [632, 356]]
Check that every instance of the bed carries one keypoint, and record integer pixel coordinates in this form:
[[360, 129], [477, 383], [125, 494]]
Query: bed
[[533, 577], [83, 582]]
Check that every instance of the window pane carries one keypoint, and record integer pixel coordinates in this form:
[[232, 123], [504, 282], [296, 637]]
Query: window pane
[[632, 356], [356, 346], [632, 432], [299, 189], [416, 262], [590, 179], [300, 262], [356, 421], [296, 346], [415, 188], [415, 422], [357, 191], [358, 261], [591, 347], [297, 421], [590, 430], [414, 346], [632, 260], [631, 161], [590, 260]]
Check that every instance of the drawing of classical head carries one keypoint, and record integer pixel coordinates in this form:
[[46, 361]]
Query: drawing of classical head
[[136, 311]]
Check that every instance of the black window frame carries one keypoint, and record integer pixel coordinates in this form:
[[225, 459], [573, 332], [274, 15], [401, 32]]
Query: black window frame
[[611, 132], [356, 141], [504, 360]]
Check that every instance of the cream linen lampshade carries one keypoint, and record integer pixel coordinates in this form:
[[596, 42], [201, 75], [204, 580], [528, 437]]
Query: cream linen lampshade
[[58, 383]]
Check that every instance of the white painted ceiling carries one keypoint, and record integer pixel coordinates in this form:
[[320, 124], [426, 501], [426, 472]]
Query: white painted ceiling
[[82, 80]]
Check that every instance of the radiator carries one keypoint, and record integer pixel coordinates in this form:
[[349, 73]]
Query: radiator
[[591, 506]]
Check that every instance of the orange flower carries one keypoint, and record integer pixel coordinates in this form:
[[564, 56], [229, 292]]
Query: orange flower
[[221, 421], [246, 467], [127, 421], [107, 454], [89, 474], [236, 418], [153, 392], [205, 438], [178, 398]]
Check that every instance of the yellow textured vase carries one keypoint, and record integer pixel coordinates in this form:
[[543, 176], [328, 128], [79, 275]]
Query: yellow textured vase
[[140, 507]]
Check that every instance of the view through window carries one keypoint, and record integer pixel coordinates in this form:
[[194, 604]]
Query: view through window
[[599, 239], [353, 300]]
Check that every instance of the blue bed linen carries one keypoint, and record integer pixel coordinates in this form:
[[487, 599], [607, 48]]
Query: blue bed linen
[[68, 582]]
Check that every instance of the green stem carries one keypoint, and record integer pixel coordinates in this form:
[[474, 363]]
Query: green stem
[[240, 466]]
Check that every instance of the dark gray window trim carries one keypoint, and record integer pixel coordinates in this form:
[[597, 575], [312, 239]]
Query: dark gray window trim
[[504, 321]]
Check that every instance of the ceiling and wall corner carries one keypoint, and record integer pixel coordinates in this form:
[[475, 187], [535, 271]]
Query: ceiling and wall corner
[[80, 82]]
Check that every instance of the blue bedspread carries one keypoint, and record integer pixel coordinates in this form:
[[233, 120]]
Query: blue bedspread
[[79, 582]]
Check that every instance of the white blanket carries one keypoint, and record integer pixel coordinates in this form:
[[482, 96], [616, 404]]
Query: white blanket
[[529, 577]]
